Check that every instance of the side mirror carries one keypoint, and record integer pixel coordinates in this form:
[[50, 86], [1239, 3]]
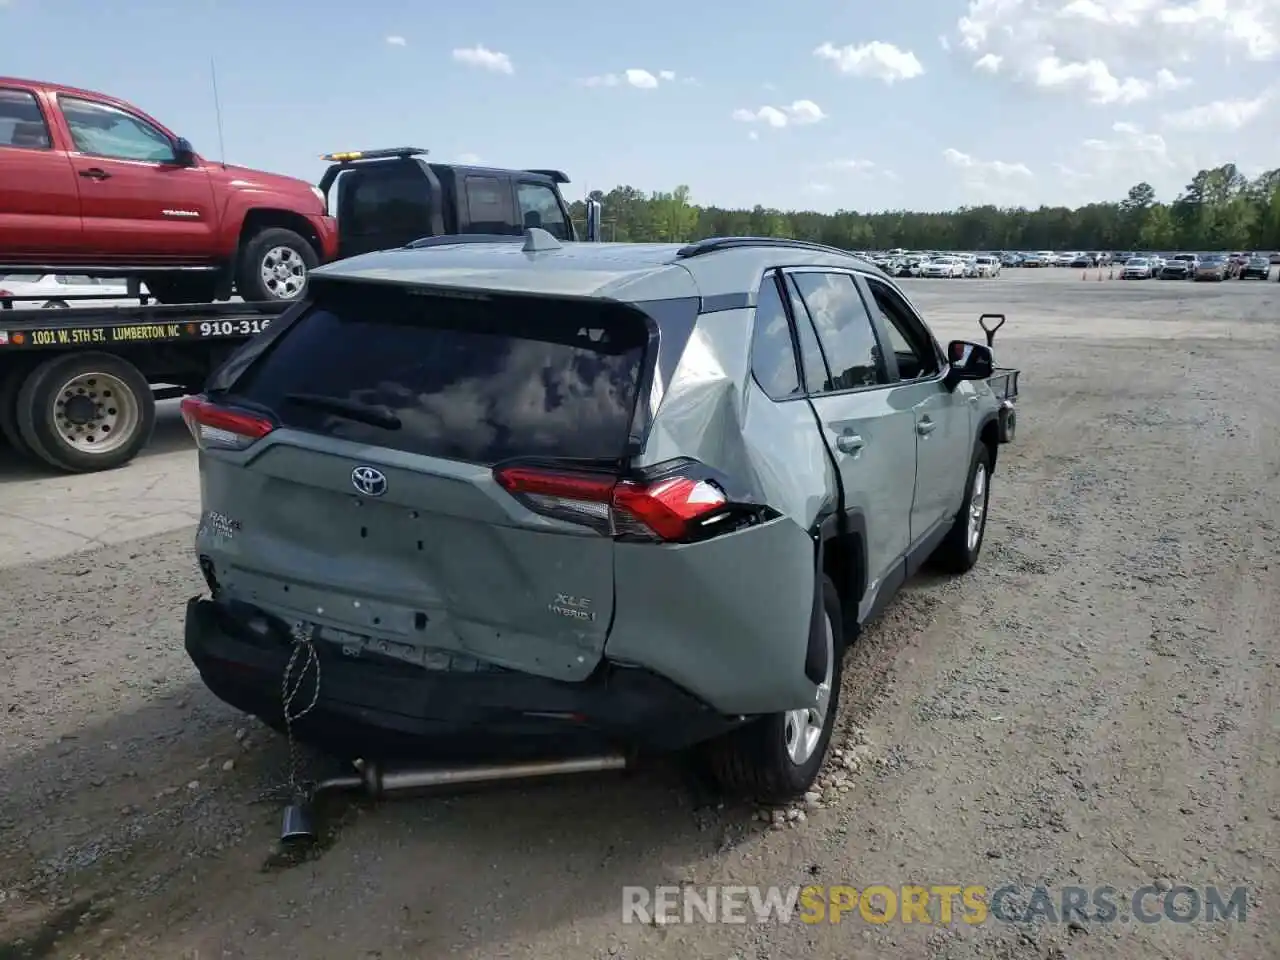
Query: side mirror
[[595, 211], [969, 361], [184, 155]]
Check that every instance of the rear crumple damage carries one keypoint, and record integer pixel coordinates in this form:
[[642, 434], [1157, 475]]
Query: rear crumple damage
[[733, 619]]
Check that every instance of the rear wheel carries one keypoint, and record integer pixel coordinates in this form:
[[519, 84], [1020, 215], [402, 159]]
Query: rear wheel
[[274, 265], [86, 412], [777, 758]]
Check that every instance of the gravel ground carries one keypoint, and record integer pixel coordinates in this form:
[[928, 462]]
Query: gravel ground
[[1095, 704]]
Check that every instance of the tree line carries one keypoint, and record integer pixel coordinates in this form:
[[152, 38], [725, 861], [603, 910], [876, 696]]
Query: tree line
[[1220, 209]]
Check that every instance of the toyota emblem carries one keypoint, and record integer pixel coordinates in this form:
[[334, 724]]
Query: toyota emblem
[[370, 481]]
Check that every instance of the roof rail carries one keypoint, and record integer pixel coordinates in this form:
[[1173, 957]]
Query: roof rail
[[450, 239], [715, 244], [556, 176], [349, 156]]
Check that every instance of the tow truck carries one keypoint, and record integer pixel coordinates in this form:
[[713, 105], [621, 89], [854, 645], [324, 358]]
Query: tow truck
[[79, 386]]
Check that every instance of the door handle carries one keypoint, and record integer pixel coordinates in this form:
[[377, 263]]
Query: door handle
[[925, 427], [95, 173], [849, 443]]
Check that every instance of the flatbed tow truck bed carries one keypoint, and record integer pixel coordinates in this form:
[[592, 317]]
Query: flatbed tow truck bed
[[78, 386]]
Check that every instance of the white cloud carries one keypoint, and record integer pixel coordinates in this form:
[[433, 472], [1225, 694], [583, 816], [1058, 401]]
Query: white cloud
[[395, 40], [1116, 52], [1091, 77], [1219, 115], [989, 62], [641, 79], [485, 59], [876, 60], [944, 42], [753, 135], [851, 166], [1168, 80], [818, 188], [1103, 168], [986, 169], [799, 113], [634, 77], [468, 159]]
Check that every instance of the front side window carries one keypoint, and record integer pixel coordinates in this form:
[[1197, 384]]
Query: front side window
[[21, 122], [844, 329], [103, 131], [911, 343], [540, 207]]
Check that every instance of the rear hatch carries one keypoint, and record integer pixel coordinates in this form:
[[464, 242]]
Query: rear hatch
[[365, 499]]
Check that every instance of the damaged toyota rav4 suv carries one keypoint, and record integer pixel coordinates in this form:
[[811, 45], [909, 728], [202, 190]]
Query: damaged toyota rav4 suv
[[561, 493]]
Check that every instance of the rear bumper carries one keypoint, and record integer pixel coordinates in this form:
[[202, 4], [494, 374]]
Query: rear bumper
[[389, 710]]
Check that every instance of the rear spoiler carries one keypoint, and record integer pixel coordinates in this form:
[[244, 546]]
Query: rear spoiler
[[556, 176]]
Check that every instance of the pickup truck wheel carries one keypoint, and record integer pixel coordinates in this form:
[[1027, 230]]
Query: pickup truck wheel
[[183, 288], [958, 553], [776, 758], [274, 265], [86, 412]]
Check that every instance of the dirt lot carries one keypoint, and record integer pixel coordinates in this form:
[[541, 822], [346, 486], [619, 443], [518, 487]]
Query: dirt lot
[[1096, 704]]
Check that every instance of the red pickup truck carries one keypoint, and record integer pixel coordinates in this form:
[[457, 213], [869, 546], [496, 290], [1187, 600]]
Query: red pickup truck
[[92, 185]]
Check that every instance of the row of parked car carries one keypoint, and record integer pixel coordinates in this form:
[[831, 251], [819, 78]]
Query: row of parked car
[[937, 265], [1205, 266], [1195, 266]]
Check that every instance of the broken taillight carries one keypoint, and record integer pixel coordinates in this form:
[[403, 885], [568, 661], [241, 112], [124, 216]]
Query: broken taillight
[[673, 507], [216, 427]]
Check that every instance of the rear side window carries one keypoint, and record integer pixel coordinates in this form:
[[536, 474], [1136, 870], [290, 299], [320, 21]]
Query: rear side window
[[773, 356], [488, 205], [21, 122], [474, 380], [844, 329]]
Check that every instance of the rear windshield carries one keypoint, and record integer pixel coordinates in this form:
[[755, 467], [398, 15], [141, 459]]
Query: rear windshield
[[386, 204], [479, 380]]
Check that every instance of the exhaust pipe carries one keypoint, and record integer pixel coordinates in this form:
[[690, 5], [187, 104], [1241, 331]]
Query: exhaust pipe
[[377, 783]]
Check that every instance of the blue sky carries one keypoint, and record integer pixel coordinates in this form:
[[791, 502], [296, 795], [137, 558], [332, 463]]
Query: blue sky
[[809, 104]]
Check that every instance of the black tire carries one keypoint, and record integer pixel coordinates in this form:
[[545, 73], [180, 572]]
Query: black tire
[[753, 762], [183, 287], [10, 384], [249, 279], [55, 305], [39, 428], [956, 554]]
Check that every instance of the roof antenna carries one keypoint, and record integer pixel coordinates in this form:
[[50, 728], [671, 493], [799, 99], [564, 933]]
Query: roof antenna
[[217, 110]]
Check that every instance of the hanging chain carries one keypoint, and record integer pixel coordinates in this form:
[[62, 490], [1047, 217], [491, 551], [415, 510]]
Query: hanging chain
[[303, 661]]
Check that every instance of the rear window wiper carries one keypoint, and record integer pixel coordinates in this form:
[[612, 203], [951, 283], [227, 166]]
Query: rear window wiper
[[350, 409]]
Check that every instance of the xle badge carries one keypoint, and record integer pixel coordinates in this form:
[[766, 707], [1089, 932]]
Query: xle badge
[[575, 608]]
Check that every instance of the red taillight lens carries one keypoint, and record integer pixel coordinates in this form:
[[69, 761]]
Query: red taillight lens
[[222, 428], [665, 509]]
